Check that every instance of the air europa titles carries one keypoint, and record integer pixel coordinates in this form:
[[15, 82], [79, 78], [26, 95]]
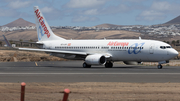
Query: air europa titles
[[116, 43], [41, 21]]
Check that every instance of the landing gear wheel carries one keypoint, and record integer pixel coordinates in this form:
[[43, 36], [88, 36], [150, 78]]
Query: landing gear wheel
[[159, 66], [109, 65], [85, 65]]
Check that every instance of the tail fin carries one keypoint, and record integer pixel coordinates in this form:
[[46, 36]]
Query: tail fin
[[44, 32]]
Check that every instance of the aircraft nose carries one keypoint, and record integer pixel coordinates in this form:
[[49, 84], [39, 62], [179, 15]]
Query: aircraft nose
[[174, 53]]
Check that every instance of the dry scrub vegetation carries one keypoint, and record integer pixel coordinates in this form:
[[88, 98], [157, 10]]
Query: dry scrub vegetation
[[92, 91], [25, 56]]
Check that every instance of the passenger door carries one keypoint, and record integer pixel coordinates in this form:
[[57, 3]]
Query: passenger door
[[151, 49]]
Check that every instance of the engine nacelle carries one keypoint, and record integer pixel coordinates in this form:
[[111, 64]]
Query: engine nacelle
[[95, 59], [131, 62]]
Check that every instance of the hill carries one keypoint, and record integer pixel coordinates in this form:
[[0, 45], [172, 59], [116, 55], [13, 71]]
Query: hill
[[19, 22], [107, 26], [71, 34], [174, 21], [27, 35]]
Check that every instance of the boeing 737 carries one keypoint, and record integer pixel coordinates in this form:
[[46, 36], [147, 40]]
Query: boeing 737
[[99, 52]]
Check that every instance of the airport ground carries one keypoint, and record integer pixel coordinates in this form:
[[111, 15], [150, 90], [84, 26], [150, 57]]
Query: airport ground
[[47, 80], [92, 91], [47, 76]]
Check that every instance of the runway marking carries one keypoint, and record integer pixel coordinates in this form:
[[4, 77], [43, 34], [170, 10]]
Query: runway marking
[[89, 73], [36, 63]]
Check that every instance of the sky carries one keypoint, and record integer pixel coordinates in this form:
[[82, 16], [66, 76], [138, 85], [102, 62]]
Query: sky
[[91, 12]]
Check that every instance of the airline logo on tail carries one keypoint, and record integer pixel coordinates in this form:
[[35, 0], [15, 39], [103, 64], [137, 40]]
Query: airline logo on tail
[[42, 22]]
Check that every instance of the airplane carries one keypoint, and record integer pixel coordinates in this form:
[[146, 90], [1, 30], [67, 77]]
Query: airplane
[[99, 52]]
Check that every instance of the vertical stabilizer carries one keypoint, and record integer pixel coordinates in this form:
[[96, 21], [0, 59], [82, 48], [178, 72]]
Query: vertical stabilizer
[[44, 32]]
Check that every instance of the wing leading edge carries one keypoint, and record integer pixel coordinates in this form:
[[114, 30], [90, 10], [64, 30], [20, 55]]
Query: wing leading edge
[[54, 51]]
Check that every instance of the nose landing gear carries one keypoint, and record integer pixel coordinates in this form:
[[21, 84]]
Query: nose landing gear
[[162, 62]]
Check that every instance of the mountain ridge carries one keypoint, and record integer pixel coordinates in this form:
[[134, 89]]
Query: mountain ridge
[[176, 20], [19, 22], [106, 25]]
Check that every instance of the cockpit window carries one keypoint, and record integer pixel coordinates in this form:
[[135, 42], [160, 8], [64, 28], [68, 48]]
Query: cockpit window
[[168, 46], [164, 47]]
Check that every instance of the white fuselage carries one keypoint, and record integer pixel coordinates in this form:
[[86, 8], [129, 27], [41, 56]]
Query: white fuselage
[[119, 50]]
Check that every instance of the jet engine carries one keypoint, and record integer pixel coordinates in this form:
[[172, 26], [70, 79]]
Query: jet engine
[[95, 59], [131, 62]]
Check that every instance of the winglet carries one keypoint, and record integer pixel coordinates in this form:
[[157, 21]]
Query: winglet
[[7, 42]]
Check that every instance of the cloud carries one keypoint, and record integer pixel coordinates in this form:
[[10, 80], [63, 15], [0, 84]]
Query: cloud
[[159, 11], [51, 13], [164, 6], [150, 15], [115, 9], [91, 12], [161, 6], [47, 9], [18, 4], [8, 13], [132, 1], [107, 10], [85, 3], [84, 19], [13, 14]]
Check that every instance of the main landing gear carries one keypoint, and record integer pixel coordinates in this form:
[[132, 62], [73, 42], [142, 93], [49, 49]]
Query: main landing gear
[[108, 64], [85, 65], [159, 66]]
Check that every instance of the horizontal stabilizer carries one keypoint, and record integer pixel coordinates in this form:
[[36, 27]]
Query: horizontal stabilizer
[[7, 42]]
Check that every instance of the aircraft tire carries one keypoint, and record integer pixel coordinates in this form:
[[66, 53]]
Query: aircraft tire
[[109, 65], [85, 65], [159, 66]]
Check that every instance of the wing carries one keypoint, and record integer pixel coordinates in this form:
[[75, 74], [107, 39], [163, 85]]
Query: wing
[[53, 51], [56, 51], [64, 52]]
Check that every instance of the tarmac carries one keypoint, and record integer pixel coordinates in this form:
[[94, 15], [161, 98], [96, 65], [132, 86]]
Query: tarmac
[[72, 71]]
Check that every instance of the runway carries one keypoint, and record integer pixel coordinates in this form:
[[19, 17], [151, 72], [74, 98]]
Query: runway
[[72, 71]]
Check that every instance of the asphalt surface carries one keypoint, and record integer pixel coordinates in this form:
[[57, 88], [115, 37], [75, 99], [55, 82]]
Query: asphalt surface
[[72, 71]]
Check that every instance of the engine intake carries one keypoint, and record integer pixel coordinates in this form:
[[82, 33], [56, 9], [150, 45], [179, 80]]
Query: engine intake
[[96, 59]]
